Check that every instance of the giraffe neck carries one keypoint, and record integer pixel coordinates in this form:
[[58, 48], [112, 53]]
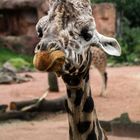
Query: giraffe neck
[[83, 122]]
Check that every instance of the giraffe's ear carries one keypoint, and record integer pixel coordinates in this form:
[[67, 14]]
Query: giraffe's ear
[[108, 44]]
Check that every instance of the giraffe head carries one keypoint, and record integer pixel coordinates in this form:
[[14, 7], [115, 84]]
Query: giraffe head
[[70, 28]]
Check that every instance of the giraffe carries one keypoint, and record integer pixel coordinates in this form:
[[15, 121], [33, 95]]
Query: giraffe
[[99, 58], [99, 61], [70, 28]]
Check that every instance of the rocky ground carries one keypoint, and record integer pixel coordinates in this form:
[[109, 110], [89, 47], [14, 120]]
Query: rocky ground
[[123, 95]]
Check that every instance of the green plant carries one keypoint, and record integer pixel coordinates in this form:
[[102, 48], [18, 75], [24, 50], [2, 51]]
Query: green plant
[[130, 45], [6, 55], [19, 63], [129, 36]]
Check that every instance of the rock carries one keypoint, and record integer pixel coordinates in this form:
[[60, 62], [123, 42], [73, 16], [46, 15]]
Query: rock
[[43, 9], [12, 4], [22, 79], [124, 127], [20, 44], [9, 76], [8, 66], [21, 35], [105, 18], [20, 64], [124, 118], [5, 78]]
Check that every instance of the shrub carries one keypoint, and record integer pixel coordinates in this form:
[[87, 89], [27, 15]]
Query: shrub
[[15, 58], [129, 38], [19, 63]]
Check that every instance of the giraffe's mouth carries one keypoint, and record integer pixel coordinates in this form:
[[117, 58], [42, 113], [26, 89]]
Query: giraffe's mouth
[[49, 61]]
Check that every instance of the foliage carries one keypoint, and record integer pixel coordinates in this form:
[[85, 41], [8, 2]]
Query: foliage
[[18, 60], [19, 63], [130, 44], [129, 8], [129, 38]]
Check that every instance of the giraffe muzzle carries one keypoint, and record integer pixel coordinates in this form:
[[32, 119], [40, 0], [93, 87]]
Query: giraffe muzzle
[[48, 57]]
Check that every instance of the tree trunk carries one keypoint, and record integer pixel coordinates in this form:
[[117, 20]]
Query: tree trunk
[[43, 106], [17, 115], [3, 108], [52, 81], [119, 23]]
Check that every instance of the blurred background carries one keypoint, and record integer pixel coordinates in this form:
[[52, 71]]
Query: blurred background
[[19, 81], [113, 18]]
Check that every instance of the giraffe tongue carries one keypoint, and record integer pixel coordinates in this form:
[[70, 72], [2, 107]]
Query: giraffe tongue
[[51, 62]]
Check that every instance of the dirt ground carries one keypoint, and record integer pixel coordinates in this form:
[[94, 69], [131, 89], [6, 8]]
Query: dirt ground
[[123, 95]]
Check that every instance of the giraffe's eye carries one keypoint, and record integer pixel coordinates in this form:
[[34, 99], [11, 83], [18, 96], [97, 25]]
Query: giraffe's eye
[[86, 34], [39, 32]]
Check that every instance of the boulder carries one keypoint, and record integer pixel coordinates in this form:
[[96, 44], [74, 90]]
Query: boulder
[[20, 44], [8, 75], [12, 4], [9, 67], [105, 18]]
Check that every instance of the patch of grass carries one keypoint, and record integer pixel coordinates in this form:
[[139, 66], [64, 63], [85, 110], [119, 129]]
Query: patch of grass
[[19, 63], [16, 58]]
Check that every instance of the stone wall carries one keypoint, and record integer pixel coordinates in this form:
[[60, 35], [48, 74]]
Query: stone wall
[[43, 9], [105, 17], [20, 20], [104, 14]]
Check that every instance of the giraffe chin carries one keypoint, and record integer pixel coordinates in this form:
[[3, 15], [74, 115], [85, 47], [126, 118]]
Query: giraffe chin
[[50, 62]]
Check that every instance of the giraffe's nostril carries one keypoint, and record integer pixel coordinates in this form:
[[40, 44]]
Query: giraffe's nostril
[[38, 48], [41, 47]]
